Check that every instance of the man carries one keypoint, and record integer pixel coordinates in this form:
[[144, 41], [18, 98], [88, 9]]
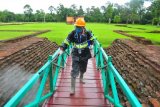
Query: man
[[81, 38]]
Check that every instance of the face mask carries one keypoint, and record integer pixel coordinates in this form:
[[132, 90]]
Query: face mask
[[79, 30]]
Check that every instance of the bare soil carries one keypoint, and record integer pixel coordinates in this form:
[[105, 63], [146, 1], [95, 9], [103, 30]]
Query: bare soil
[[139, 65], [19, 60]]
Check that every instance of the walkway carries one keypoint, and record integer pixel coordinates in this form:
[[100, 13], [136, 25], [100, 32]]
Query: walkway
[[89, 94]]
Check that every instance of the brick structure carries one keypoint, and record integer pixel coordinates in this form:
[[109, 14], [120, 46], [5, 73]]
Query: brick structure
[[71, 20]]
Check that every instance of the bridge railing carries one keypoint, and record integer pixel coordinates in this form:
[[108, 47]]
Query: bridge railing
[[110, 76], [41, 75], [103, 61]]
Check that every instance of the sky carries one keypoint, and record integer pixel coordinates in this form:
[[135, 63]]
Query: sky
[[16, 6]]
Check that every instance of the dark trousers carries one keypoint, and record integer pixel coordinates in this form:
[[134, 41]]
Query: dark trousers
[[78, 66]]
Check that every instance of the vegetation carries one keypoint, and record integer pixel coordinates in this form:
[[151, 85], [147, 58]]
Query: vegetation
[[9, 35], [103, 32], [132, 12], [151, 36], [117, 19]]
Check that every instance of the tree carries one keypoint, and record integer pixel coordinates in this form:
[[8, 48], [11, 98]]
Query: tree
[[19, 17], [131, 12], [52, 15], [96, 14], [73, 8], [7, 16], [28, 12], [126, 14], [117, 9], [117, 19], [70, 12], [49, 17], [51, 9], [61, 12], [155, 9], [136, 7], [40, 16], [87, 15], [108, 11], [80, 11]]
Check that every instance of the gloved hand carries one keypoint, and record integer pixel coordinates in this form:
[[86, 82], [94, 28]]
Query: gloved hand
[[61, 51], [91, 47]]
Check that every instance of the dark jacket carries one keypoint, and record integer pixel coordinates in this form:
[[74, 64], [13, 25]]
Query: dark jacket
[[76, 38]]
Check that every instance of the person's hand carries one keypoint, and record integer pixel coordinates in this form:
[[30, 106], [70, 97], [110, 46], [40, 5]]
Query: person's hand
[[91, 47], [61, 51]]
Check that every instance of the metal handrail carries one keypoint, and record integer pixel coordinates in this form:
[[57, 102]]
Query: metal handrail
[[108, 76], [44, 72]]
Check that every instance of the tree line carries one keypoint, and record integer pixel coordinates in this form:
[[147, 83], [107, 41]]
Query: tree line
[[131, 12]]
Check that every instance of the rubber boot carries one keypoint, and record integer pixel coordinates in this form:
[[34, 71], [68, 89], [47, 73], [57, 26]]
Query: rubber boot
[[73, 82], [81, 78]]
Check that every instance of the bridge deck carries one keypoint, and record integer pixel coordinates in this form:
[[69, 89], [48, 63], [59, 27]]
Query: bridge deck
[[89, 94]]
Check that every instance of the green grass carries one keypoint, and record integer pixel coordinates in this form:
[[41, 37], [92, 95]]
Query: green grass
[[147, 27], [155, 37], [103, 32], [9, 35]]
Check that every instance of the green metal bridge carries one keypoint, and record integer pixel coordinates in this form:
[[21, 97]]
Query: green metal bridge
[[100, 89]]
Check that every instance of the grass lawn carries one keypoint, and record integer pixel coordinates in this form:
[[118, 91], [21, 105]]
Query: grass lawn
[[103, 32], [146, 27], [9, 35], [155, 37]]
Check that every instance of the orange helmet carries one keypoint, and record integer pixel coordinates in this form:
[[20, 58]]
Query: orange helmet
[[80, 22]]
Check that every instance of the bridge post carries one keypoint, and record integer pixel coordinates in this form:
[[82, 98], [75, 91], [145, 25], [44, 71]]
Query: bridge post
[[51, 75], [103, 73], [42, 85], [112, 81], [56, 72]]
